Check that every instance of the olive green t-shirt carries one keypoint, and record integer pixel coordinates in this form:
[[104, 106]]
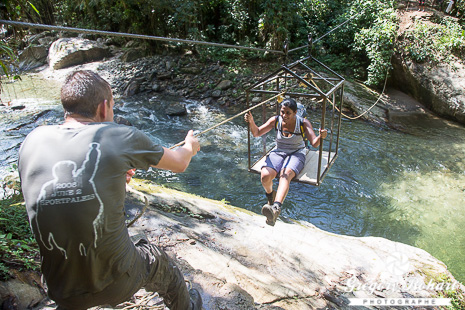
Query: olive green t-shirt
[[73, 181]]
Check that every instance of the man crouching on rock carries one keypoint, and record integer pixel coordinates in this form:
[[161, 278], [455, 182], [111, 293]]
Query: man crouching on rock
[[73, 178]]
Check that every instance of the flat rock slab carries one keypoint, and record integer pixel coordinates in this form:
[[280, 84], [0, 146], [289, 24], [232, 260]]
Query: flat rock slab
[[238, 262]]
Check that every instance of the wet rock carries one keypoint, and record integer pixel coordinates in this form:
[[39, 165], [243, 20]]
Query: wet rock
[[225, 84], [191, 70], [216, 93], [176, 109], [121, 120], [69, 52], [33, 57], [132, 88], [133, 54]]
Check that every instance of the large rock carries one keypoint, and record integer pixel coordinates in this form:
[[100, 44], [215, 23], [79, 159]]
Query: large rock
[[33, 57], [238, 262], [22, 292], [225, 84], [439, 88], [69, 52], [132, 88], [175, 108]]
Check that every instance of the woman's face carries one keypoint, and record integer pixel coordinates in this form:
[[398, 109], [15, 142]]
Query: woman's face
[[287, 114]]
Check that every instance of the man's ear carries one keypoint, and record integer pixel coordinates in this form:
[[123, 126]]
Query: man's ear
[[102, 110]]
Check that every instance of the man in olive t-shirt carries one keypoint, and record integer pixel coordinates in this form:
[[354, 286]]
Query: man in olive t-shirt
[[73, 178]]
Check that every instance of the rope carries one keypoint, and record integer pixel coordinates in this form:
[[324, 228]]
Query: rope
[[340, 25], [366, 111], [374, 104], [130, 35], [231, 118]]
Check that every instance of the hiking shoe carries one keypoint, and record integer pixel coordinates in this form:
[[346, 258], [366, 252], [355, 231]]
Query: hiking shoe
[[271, 196], [196, 299], [271, 213]]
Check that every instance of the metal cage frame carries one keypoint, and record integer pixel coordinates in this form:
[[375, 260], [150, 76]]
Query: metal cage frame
[[322, 86]]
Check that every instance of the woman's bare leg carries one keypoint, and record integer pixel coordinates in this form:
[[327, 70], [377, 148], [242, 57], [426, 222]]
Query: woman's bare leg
[[267, 177], [284, 182]]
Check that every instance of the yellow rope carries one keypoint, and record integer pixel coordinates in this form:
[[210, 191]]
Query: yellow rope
[[231, 118], [360, 115]]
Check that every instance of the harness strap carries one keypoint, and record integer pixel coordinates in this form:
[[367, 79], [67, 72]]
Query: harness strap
[[302, 130]]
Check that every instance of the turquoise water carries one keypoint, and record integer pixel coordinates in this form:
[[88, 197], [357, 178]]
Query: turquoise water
[[405, 186]]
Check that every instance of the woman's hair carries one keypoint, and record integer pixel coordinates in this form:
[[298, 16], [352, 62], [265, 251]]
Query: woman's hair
[[83, 91], [290, 103]]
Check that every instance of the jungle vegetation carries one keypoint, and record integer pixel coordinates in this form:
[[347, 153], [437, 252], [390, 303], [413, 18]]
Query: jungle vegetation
[[361, 48]]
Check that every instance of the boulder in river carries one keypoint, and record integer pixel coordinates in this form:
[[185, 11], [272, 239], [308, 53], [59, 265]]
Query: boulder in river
[[67, 52], [33, 57], [176, 108]]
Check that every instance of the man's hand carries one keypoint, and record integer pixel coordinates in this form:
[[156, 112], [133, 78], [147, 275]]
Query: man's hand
[[129, 175], [193, 142]]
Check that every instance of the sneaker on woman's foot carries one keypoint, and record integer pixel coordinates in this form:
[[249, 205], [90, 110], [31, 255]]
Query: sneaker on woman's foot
[[271, 213], [196, 299]]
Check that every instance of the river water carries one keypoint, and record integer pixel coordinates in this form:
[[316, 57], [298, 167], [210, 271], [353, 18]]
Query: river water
[[404, 186]]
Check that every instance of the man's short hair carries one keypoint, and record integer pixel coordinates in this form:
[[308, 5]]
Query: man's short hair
[[83, 91]]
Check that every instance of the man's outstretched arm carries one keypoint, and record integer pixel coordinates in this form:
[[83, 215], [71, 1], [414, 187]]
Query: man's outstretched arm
[[178, 160]]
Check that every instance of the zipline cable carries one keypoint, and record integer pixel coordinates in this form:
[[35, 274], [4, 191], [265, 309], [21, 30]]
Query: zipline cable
[[340, 25], [231, 118], [130, 35]]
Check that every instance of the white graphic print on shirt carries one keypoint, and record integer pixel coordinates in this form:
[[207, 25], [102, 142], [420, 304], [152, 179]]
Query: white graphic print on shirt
[[70, 186]]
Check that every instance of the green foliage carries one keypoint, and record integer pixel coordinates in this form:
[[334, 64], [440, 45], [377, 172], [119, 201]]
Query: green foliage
[[7, 57], [377, 42], [458, 10], [435, 43], [361, 47], [18, 248], [457, 299], [22, 10]]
